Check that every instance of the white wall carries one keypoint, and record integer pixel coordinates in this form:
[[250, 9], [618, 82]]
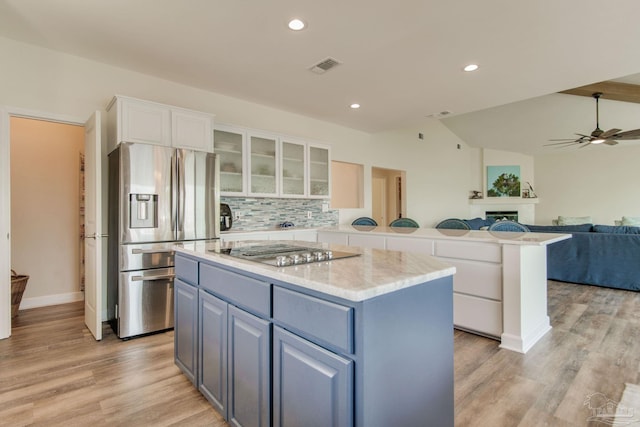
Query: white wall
[[599, 181], [507, 158], [45, 218], [42, 79], [439, 174]]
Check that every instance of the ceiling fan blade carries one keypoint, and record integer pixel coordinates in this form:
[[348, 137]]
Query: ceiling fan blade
[[585, 145], [610, 142], [630, 134], [562, 147], [584, 137], [565, 139], [562, 143], [607, 134]]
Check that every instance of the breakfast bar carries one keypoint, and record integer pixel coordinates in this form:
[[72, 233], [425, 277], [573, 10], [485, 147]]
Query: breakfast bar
[[500, 285], [365, 339]]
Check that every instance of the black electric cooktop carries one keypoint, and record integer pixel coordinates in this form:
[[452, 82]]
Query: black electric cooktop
[[281, 254]]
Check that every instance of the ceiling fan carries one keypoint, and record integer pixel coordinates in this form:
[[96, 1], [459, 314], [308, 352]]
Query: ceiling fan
[[598, 136]]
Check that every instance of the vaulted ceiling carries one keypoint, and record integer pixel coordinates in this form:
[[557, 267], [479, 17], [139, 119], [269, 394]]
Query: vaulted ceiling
[[528, 126], [402, 61]]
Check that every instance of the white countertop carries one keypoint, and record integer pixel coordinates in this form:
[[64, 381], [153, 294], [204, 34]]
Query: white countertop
[[501, 237], [375, 272], [266, 230]]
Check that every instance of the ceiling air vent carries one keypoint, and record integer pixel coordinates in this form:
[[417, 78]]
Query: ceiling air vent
[[324, 65], [439, 115]]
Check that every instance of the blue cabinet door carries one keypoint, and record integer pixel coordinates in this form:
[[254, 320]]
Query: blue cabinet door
[[249, 358], [312, 387], [186, 328], [212, 366]]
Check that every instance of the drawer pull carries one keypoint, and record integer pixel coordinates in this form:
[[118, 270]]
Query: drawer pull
[[150, 277], [152, 251]]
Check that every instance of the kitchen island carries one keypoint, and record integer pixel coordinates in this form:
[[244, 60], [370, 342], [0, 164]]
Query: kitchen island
[[500, 286], [359, 341]]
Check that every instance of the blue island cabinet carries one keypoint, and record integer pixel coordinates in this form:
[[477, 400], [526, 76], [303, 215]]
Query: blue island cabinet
[[271, 353], [186, 328], [312, 387], [234, 363], [212, 366]]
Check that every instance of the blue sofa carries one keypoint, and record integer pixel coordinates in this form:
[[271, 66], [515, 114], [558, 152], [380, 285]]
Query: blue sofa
[[601, 255]]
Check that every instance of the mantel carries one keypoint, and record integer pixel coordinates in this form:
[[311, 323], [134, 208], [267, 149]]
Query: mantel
[[504, 201]]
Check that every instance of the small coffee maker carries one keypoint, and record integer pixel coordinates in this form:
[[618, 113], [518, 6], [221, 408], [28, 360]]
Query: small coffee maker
[[226, 218]]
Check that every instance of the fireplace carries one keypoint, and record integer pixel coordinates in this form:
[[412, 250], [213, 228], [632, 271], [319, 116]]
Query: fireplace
[[517, 209], [501, 215]]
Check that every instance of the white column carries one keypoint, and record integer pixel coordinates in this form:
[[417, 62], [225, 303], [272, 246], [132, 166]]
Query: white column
[[524, 300]]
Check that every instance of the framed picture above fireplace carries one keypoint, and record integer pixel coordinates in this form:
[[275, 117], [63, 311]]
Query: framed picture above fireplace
[[503, 181]]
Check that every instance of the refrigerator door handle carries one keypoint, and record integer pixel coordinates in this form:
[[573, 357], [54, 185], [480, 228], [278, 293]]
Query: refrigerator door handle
[[152, 251], [151, 277], [180, 178], [173, 191]]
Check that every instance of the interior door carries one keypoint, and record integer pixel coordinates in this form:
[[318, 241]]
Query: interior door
[[379, 200], [93, 226]]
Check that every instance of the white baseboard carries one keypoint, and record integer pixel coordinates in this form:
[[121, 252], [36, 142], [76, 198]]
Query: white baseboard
[[48, 300], [522, 344], [51, 300]]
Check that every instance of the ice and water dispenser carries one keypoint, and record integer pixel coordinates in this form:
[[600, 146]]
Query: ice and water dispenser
[[143, 210]]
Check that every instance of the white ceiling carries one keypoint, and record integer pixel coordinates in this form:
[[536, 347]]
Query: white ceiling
[[402, 61], [527, 126]]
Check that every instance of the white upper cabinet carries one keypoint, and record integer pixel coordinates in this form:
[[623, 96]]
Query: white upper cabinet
[[191, 129], [319, 172], [293, 173], [140, 121], [135, 120], [230, 146], [263, 165]]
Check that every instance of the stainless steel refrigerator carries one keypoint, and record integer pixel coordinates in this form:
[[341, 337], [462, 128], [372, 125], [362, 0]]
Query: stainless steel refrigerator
[[158, 197]]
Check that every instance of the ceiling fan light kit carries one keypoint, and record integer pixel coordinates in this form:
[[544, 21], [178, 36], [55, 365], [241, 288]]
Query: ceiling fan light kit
[[598, 136]]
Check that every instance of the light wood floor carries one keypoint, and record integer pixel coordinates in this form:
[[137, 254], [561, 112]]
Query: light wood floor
[[53, 373]]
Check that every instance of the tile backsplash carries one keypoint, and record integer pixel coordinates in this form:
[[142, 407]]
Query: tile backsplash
[[265, 213]]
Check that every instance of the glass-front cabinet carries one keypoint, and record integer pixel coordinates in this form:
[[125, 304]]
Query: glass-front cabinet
[[319, 171], [229, 144], [263, 165], [293, 171]]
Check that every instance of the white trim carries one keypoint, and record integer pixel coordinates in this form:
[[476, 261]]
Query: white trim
[[5, 202], [505, 201], [42, 115], [47, 300], [524, 344], [5, 227]]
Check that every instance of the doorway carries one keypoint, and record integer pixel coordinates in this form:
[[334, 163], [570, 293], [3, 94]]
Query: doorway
[[388, 195], [46, 209]]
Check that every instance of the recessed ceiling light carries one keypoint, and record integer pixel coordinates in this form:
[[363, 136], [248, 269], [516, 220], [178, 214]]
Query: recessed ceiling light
[[354, 106], [471, 67], [296, 24]]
